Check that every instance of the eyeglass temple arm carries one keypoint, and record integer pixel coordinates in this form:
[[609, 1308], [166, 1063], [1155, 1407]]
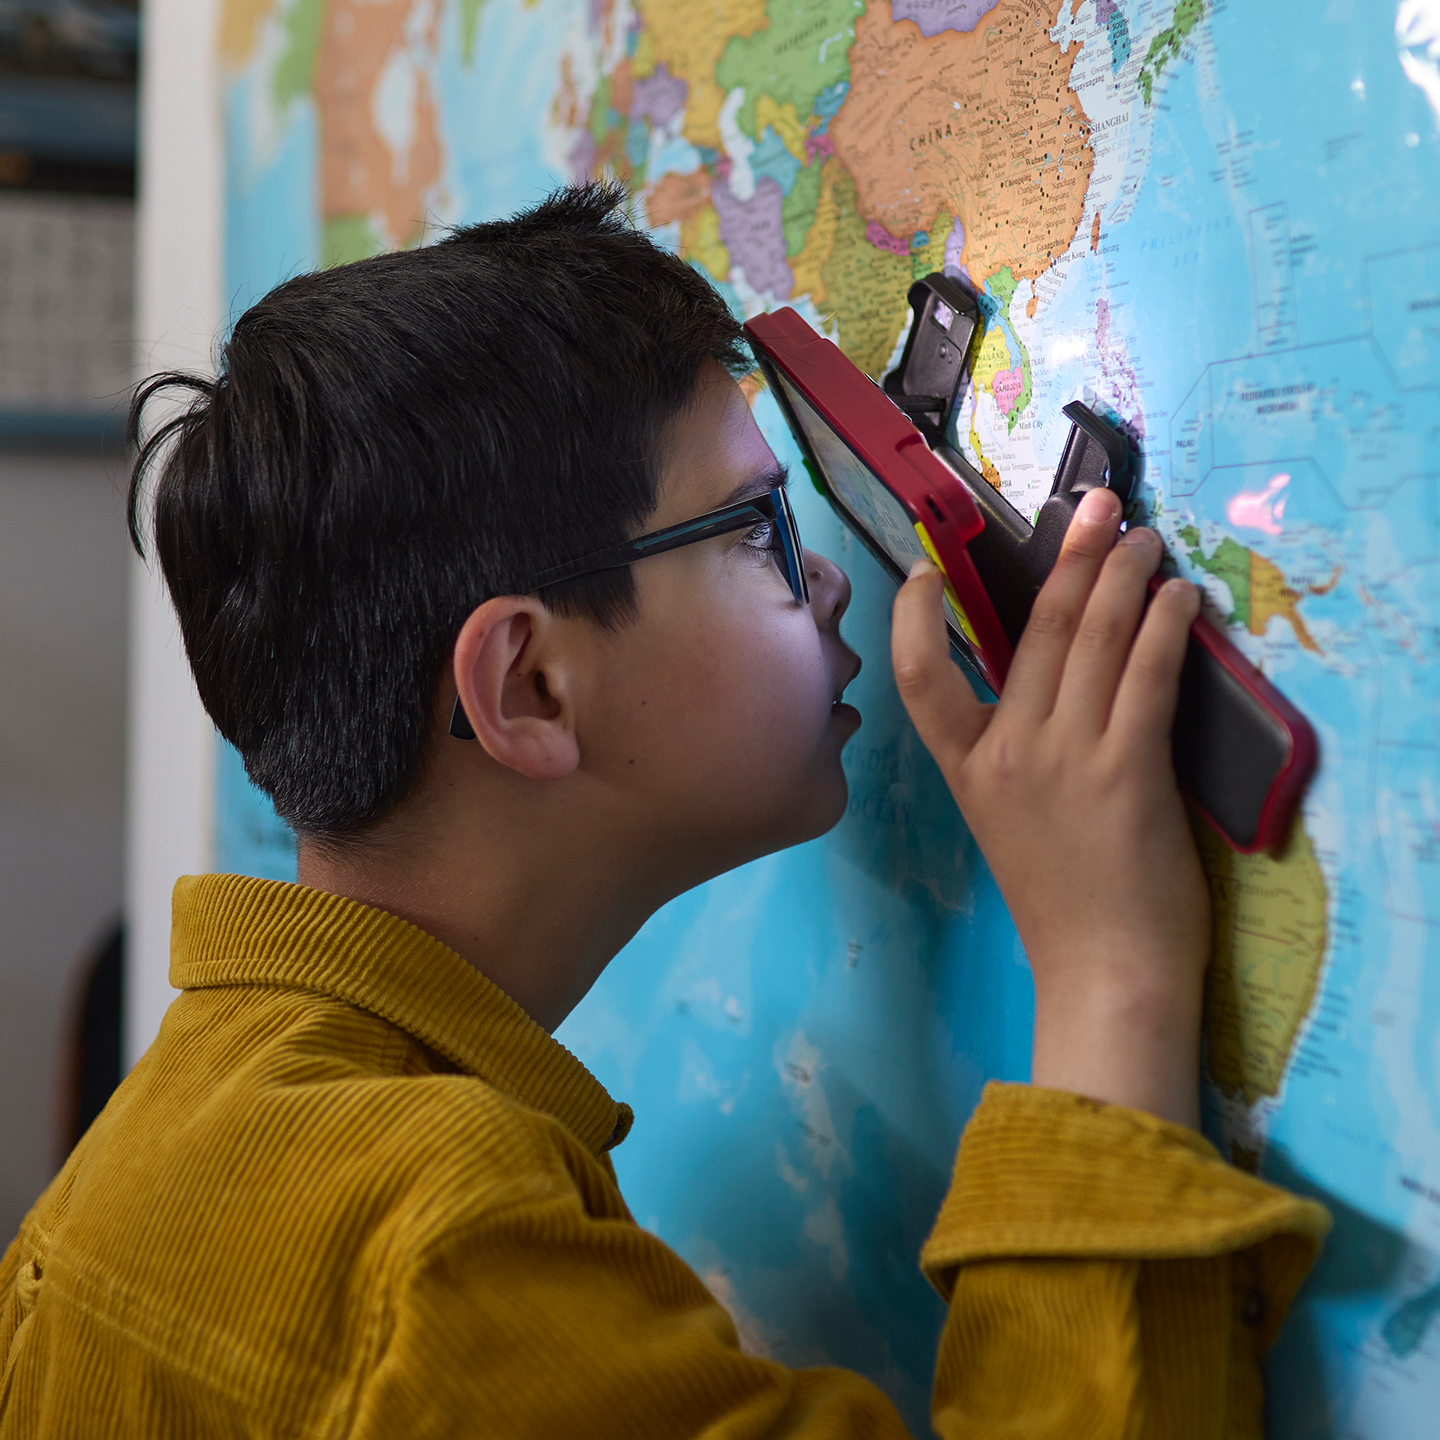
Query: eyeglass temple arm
[[718, 522]]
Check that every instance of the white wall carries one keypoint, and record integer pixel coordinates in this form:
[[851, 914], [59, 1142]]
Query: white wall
[[62, 718], [178, 310]]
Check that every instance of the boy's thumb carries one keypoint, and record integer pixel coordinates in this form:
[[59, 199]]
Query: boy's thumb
[[936, 695]]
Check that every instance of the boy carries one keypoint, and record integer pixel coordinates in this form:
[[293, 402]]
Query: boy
[[355, 1187]]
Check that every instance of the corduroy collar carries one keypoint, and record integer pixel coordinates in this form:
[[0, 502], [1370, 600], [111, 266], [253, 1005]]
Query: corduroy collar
[[234, 930]]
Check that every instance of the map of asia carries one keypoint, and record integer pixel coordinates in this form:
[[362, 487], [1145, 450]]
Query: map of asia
[[1218, 223]]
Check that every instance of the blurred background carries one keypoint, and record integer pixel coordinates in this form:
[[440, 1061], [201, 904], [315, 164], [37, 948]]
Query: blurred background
[[68, 126]]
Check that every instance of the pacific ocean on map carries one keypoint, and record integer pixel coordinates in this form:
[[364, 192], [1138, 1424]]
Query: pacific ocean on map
[[1218, 223]]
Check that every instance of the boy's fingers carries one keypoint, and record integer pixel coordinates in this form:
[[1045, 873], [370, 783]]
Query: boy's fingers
[[1035, 675], [1103, 638], [938, 698], [1149, 689]]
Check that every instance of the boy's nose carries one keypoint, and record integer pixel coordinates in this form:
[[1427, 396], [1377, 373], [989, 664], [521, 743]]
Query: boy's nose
[[829, 589]]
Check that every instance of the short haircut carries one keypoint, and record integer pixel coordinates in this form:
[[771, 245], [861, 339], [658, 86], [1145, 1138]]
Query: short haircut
[[389, 444]]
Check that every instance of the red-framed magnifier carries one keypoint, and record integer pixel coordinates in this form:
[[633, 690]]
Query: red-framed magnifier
[[876, 470]]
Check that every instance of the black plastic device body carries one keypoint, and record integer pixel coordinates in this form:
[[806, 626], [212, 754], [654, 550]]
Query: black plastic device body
[[1241, 751]]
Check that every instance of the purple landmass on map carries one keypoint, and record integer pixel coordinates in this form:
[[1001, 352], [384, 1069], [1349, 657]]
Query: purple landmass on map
[[753, 234], [582, 156], [659, 97], [954, 249], [933, 16], [1104, 9]]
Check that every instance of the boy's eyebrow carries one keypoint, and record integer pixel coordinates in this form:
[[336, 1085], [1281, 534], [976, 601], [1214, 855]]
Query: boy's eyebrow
[[761, 484]]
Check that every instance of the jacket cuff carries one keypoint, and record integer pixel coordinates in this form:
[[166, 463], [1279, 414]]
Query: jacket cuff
[[1047, 1173]]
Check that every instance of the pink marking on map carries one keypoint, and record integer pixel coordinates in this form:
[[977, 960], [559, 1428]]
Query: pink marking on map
[[1260, 509], [1006, 388], [882, 239], [818, 146], [1104, 9], [723, 166]]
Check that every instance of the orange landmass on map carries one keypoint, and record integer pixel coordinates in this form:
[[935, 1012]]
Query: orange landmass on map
[[677, 197], [622, 87], [688, 39], [240, 22], [982, 125], [1095, 234], [359, 174]]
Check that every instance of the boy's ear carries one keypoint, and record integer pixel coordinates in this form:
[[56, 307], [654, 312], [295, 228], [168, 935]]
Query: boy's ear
[[516, 688]]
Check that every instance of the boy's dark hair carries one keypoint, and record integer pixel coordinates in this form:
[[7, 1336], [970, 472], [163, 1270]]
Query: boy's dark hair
[[389, 444]]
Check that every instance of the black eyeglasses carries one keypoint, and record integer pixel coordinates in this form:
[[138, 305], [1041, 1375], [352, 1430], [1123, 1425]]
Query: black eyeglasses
[[773, 509]]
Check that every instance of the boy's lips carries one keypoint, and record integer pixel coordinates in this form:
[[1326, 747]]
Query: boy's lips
[[838, 707]]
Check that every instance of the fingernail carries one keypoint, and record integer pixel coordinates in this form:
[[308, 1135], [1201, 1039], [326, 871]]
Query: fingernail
[[922, 567], [1099, 507], [1177, 586], [1140, 535]]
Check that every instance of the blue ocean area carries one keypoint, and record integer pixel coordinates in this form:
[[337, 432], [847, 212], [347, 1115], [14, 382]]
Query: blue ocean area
[[272, 228], [1328, 188], [804, 1038]]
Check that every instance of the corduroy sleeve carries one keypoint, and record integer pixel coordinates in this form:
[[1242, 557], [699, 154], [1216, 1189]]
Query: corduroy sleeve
[[1108, 1275]]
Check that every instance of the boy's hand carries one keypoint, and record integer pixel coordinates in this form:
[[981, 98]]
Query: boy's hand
[[1068, 788]]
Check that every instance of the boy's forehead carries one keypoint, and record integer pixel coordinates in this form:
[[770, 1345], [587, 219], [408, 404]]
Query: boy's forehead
[[714, 452]]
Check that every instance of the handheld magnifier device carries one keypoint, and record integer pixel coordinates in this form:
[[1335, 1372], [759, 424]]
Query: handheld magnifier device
[[1242, 752]]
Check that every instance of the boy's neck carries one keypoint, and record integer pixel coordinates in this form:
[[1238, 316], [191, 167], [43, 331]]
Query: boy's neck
[[539, 906]]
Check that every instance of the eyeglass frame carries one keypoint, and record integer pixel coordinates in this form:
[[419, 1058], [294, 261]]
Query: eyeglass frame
[[773, 507]]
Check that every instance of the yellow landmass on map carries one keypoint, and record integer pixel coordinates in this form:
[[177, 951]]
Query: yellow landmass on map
[[700, 240], [643, 61], [992, 357], [786, 122], [864, 285], [689, 39], [807, 268], [240, 22], [982, 125], [1271, 594], [1270, 929]]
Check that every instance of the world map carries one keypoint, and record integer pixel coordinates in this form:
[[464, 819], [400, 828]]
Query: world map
[[1217, 224]]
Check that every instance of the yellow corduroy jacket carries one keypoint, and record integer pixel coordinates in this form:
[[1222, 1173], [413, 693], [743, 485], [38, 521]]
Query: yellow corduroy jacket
[[353, 1190]]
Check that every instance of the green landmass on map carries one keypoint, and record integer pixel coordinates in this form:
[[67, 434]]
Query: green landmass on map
[[797, 214], [344, 238], [294, 75], [793, 58], [1166, 45], [1258, 587], [469, 28]]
